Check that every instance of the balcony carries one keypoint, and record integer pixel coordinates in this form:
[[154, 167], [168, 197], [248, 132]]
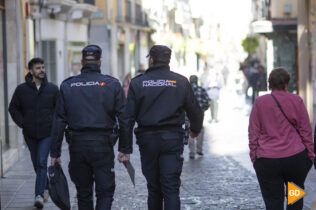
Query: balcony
[[59, 6], [83, 11], [265, 23]]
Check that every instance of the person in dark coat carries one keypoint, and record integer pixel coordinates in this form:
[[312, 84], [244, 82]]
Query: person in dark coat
[[255, 77], [31, 108], [158, 100], [204, 102], [89, 107]]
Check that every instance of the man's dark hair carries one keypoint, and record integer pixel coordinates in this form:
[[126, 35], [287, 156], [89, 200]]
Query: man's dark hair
[[193, 79], [34, 61], [279, 78]]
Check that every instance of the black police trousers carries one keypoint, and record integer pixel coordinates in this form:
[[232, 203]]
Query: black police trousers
[[161, 155], [274, 173], [92, 161]]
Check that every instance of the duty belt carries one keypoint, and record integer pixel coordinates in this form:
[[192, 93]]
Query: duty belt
[[159, 128], [90, 136]]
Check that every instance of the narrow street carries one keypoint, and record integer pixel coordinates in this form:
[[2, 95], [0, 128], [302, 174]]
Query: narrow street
[[221, 179]]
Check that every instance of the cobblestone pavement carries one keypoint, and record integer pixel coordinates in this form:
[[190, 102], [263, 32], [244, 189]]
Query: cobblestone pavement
[[221, 179]]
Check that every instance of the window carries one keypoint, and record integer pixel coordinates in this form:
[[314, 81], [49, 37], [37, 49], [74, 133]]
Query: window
[[128, 14], [49, 56], [139, 15], [119, 15], [89, 2]]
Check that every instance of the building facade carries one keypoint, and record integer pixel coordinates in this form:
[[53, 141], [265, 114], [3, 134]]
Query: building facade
[[289, 27], [55, 30], [276, 22], [120, 27], [307, 54], [11, 73]]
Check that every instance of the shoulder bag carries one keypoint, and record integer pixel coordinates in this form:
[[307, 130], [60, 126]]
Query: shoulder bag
[[276, 101]]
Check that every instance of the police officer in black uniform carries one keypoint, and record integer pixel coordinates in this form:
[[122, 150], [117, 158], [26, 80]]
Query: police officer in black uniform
[[157, 100], [88, 106]]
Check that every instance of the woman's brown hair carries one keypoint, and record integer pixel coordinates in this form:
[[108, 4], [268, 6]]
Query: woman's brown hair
[[279, 79]]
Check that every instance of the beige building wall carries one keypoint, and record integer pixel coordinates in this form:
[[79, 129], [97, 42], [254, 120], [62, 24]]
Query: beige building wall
[[15, 75], [284, 8], [305, 88], [101, 4], [312, 29], [113, 11]]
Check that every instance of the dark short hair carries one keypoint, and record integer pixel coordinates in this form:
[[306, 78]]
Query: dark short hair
[[193, 79], [279, 78], [34, 61]]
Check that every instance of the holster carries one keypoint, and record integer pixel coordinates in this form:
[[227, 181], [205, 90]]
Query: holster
[[68, 135], [113, 138], [186, 131], [115, 132]]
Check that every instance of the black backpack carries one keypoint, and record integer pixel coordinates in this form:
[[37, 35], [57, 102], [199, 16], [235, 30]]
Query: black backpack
[[58, 187]]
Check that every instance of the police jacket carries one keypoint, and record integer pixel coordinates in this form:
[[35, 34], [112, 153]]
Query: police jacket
[[88, 104], [32, 109], [159, 98]]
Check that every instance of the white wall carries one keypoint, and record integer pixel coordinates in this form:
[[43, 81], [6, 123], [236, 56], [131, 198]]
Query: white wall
[[52, 29], [77, 32], [60, 59], [71, 32]]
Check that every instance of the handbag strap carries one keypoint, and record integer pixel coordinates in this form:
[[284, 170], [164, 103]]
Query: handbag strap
[[276, 101]]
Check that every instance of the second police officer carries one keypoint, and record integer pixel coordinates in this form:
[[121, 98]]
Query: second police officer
[[88, 107], [157, 100]]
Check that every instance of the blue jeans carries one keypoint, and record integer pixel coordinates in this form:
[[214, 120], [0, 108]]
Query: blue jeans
[[39, 150]]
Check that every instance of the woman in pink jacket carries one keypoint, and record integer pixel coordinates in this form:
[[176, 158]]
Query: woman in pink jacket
[[280, 141]]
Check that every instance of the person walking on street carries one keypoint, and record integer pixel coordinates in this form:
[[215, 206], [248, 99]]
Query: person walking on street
[[157, 100], [213, 85], [203, 99], [280, 141], [88, 106], [254, 79], [141, 69], [31, 108]]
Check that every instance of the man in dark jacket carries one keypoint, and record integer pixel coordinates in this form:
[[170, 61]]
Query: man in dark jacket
[[89, 105], [255, 77], [157, 100], [204, 102], [32, 107]]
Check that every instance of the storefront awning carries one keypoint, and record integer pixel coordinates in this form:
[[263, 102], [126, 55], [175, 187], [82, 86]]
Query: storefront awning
[[274, 25]]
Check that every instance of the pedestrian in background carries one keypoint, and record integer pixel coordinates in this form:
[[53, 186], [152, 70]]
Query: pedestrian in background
[[280, 141], [157, 100], [262, 83], [88, 106], [126, 82], [141, 70], [203, 100], [32, 107], [213, 85], [254, 81]]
